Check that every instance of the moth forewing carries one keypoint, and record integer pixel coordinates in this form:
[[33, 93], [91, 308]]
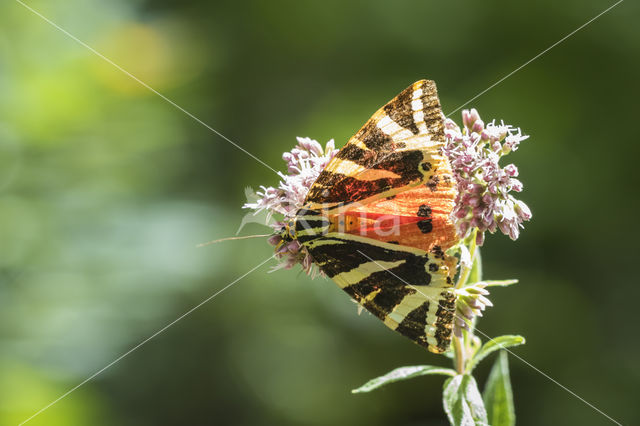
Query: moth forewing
[[377, 219]]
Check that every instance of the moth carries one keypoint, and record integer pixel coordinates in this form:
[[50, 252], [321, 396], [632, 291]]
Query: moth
[[377, 219]]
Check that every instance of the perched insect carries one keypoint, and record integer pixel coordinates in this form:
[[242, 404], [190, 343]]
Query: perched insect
[[377, 219]]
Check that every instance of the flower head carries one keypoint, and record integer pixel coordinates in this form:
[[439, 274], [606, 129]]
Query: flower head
[[484, 198], [304, 164]]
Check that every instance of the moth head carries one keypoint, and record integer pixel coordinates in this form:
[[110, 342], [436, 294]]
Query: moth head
[[287, 232]]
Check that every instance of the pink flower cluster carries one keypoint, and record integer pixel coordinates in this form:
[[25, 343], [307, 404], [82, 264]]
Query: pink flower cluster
[[484, 200], [304, 164]]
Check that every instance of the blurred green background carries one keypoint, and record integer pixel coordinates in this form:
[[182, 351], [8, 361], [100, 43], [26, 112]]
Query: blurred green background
[[105, 190]]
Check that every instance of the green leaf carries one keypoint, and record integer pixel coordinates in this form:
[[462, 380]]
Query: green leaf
[[462, 401], [494, 345], [476, 268], [403, 373], [498, 396]]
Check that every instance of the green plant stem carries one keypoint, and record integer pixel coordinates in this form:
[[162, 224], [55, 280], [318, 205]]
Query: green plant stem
[[461, 346], [458, 354], [464, 275]]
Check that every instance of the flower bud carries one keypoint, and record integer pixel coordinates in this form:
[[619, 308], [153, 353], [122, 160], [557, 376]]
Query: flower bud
[[310, 146], [461, 212], [478, 126], [330, 147], [463, 227], [450, 124], [516, 185], [274, 240], [466, 118], [511, 170], [522, 210], [476, 188]]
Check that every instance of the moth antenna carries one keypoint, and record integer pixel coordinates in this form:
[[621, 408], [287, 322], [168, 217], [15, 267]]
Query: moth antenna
[[245, 237]]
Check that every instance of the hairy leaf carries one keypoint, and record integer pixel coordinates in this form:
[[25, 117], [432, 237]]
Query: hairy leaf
[[493, 345], [498, 396], [462, 401], [403, 373]]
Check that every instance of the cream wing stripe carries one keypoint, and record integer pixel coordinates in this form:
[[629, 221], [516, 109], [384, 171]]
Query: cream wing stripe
[[393, 129], [364, 270], [418, 111], [349, 168], [404, 308]]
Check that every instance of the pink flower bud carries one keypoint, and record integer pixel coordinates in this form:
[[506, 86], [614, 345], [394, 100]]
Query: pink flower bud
[[461, 213], [511, 170], [274, 240], [516, 185], [478, 126], [466, 118], [473, 116], [476, 188], [488, 199], [463, 227], [310, 145], [522, 210], [330, 147], [450, 124]]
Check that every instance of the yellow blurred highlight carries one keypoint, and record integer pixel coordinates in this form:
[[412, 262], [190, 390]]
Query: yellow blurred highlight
[[141, 50], [25, 391]]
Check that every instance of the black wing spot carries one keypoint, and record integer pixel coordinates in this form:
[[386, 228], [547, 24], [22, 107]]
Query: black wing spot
[[425, 226], [424, 211], [437, 252], [433, 183], [433, 267]]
